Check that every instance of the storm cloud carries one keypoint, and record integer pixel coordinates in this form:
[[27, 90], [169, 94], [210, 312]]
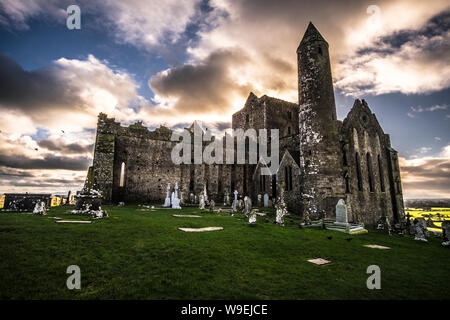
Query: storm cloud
[[48, 162], [72, 148], [204, 87], [30, 90]]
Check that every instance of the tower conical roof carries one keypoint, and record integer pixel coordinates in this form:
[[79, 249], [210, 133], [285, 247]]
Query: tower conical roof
[[311, 35]]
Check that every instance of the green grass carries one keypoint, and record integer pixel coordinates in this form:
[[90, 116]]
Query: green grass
[[137, 254]]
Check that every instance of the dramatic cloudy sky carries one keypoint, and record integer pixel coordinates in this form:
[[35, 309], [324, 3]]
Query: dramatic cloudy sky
[[171, 62]]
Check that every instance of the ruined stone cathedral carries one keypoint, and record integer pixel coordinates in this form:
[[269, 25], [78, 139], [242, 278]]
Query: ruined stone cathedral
[[322, 159]]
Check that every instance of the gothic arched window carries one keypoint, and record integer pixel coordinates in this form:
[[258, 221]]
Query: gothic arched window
[[122, 175], [358, 171], [381, 173], [369, 171]]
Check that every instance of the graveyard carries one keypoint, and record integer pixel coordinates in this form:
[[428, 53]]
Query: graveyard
[[138, 252]]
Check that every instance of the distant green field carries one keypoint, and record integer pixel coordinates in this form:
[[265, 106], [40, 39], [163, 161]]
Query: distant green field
[[140, 254]]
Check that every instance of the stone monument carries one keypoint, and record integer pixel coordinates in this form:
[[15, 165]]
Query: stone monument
[[40, 208], [252, 218], [235, 201], [341, 213], [281, 212], [247, 205], [202, 202], [175, 200], [167, 201], [421, 231], [266, 200], [446, 233]]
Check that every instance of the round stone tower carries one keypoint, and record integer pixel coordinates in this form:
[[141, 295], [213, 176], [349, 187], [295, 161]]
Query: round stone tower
[[322, 183]]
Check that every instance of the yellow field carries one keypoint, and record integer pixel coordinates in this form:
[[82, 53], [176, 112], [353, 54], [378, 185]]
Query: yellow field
[[436, 214]]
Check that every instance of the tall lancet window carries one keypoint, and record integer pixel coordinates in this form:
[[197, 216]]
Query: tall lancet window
[[122, 175]]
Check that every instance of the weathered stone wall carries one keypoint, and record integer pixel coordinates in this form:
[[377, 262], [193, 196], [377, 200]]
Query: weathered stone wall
[[103, 163], [330, 159], [289, 190], [369, 166]]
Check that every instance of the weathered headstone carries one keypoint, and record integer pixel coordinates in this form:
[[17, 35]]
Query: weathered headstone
[[247, 205], [266, 200], [421, 231], [259, 203], [281, 212], [181, 197], [175, 200], [384, 224], [252, 218], [167, 201], [40, 208], [446, 233], [341, 213], [202, 202], [241, 205], [212, 205], [235, 201], [89, 203]]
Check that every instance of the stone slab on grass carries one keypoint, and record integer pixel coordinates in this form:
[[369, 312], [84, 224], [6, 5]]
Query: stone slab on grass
[[72, 221], [375, 246], [319, 261], [200, 229], [185, 216]]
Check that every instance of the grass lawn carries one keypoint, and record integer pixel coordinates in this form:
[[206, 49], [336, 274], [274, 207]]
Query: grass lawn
[[140, 254]]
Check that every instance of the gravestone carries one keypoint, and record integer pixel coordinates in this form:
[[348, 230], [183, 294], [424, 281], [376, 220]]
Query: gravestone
[[89, 203], [40, 208], [181, 197], [241, 205], [421, 231], [167, 201], [247, 205], [446, 233], [212, 205], [202, 202], [384, 224], [266, 200], [252, 218], [175, 200], [341, 213], [235, 201], [281, 212], [259, 203]]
